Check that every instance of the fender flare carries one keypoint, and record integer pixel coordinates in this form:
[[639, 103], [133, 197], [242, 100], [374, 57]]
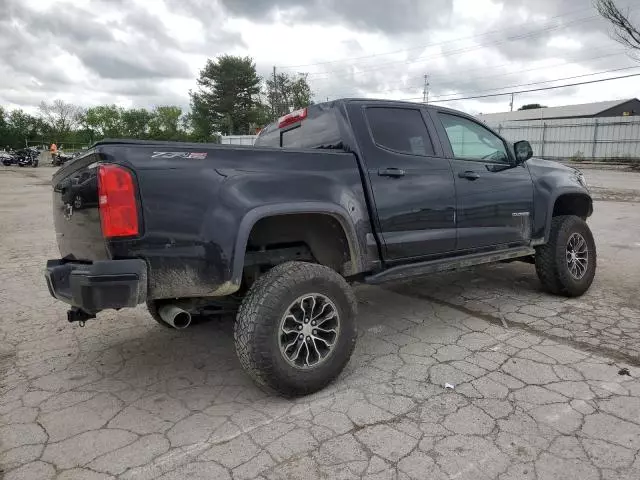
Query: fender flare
[[552, 204], [254, 215]]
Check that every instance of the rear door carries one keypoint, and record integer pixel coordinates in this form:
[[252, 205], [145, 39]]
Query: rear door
[[412, 183], [494, 196]]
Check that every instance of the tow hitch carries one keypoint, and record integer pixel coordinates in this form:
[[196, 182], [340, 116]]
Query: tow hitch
[[78, 315]]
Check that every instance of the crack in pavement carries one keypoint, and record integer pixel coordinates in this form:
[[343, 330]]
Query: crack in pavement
[[607, 352]]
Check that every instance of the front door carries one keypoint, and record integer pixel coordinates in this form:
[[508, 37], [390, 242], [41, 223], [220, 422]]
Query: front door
[[494, 196], [411, 181]]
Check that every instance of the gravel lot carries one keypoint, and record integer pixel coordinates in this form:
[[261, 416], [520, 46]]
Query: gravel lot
[[125, 398]]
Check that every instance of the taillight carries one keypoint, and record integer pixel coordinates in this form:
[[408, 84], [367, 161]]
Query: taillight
[[292, 117], [117, 200]]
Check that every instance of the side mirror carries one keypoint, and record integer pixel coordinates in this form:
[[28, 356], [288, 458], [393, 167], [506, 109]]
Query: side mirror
[[523, 151]]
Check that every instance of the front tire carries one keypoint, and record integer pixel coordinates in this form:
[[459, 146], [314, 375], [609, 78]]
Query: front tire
[[566, 264], [296, 330]]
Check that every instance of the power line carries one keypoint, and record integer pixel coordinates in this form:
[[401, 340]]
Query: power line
[[485, 68], [529, 90], [459, 50], [518, 72], [547, 81], [351, 59], [325, 76]]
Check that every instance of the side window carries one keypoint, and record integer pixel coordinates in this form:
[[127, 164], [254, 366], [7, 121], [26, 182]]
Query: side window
[[399, 129], [471, 141]]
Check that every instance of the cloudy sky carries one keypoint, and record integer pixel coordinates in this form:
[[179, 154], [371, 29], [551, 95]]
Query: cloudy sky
[[149, 52]]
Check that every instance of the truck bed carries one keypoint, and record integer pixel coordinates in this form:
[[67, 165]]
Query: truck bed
[[197, 204]]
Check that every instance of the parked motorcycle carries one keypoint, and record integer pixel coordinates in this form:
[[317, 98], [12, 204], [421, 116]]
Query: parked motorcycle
[[62, 158], [8, 158], [28, 157]]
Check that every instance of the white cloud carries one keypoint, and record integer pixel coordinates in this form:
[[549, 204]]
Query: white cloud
[[149, 52]]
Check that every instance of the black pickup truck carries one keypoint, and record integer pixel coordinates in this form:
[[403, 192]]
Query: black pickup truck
[[340, 192]]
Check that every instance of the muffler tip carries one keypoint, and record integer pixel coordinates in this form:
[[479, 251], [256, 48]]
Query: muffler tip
[[175, 316]]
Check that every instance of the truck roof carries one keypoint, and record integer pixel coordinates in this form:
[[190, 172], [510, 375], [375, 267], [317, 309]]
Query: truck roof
[[317, 126]]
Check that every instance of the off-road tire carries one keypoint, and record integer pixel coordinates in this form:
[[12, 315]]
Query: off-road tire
[[257, 325], [551, 262]]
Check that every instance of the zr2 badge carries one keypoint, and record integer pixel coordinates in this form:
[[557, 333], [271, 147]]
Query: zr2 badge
[[194, 155]]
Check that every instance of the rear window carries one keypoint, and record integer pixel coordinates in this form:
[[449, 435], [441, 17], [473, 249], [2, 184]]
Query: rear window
[[400, 129], [318, 130]]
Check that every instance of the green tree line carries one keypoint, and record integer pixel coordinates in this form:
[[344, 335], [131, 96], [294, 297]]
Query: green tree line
[[230, 99]]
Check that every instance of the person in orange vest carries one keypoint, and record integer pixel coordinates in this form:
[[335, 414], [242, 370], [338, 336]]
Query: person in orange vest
[[53, 150]]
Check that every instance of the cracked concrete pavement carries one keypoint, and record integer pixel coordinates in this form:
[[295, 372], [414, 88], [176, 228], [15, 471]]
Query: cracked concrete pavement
[[123, 398]]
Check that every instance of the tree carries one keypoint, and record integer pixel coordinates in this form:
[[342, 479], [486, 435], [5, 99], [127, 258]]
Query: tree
[[200, 119], [104, 121], [287, 92], [18, 128], [532, 106], [165, 123], [4, 128], [60, 117], [228, 88], [135, 123], [625, 31]]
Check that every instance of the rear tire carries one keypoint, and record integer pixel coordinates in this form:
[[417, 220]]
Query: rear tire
[[305, 306], [566, 264]]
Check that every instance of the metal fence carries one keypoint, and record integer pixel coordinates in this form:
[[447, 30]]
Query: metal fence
[[600, 139], [238, 139]]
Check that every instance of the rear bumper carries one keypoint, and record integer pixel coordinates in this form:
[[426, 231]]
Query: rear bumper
[[99, 285]]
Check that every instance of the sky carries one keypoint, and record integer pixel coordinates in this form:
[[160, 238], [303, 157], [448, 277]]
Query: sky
[[145, 53]]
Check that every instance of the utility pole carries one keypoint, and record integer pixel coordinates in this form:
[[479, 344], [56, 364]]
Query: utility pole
[[511, 103], [425, 91], [274, 100]]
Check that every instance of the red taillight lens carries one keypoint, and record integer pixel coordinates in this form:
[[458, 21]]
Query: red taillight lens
[[117, 199], [292, 117]]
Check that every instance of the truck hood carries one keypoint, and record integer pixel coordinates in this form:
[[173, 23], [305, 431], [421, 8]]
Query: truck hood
[[555, 175], [540, 167]]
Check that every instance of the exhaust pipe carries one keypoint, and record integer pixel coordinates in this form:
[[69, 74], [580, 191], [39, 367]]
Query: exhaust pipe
[[175, 316]]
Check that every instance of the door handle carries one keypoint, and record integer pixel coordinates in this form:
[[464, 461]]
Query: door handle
[[391, 172], [469, 175]]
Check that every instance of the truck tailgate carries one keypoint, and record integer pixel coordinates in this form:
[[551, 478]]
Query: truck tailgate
[[75, 211]]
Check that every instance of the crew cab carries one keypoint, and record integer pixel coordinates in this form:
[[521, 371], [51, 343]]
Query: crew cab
[[346, 191]]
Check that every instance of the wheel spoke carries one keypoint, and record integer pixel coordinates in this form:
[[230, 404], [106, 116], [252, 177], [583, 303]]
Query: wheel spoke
[[296, 355], [315, 347], [301, 303], [328, 317], [291, 344], [582, 267], [326, 330], [307, 361], [291, 316], [324, 307], [582, 244], [329, 345]]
